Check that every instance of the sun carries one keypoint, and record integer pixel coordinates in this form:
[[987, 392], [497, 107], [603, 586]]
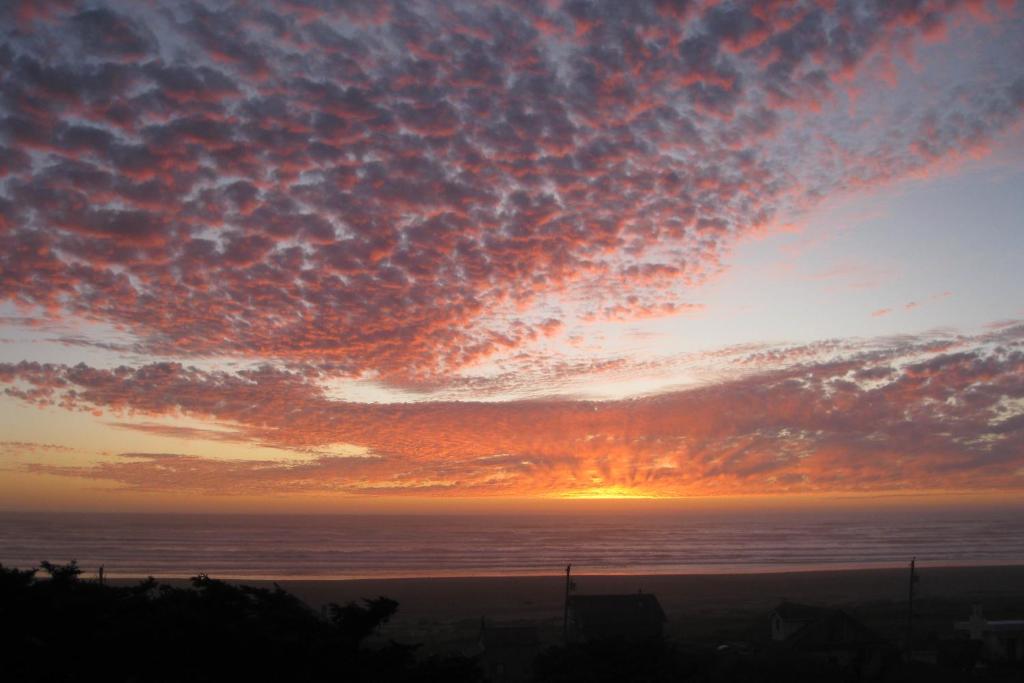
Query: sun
[[615, 492]]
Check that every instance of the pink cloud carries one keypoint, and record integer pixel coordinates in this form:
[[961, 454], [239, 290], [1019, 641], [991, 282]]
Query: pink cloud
[[400, 199]]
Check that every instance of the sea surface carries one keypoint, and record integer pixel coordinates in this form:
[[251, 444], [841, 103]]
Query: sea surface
[[365, 546]]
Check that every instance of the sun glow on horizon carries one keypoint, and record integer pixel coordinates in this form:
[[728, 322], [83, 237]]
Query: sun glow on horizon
[[615, 492]]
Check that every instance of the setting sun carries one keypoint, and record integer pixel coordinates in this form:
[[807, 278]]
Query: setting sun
[[609, 493]]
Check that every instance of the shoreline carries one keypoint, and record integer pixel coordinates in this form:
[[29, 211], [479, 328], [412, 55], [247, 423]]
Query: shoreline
[[706, 570]]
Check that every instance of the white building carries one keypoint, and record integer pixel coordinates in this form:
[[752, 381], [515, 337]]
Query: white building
[[1002, 640]]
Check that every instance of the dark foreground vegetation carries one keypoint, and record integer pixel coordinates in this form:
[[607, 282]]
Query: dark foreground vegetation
[[66, 629], [54, 626]]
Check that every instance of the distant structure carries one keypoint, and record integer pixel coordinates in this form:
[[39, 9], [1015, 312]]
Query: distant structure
[[570, 586], [908, 642], [1001, 640], [790, 617], [635, 616], [507, 651], [827, 633]]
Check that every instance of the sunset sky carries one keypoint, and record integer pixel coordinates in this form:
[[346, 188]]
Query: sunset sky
[[303, 255]]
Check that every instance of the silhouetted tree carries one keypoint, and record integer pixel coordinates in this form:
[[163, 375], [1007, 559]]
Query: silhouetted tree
[[67, 629], [356, 622], [62, 573], [12, 579]]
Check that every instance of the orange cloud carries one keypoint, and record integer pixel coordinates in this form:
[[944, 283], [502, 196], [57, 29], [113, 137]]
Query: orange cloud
[[915, 415]]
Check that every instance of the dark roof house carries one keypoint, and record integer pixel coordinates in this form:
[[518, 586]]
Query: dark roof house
[[828, 633], [635, 616], [813, 628], [791, 617]]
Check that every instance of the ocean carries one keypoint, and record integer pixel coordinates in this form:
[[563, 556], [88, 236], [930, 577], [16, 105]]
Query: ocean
[[379, 546]]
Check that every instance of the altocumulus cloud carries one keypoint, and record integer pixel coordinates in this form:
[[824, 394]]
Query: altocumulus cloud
[[401, 189]]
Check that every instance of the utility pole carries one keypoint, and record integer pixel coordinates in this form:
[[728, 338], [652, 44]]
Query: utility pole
[[565, 613], [914, 578]]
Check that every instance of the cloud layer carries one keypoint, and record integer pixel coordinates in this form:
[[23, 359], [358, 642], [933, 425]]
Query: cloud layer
[[272, 198], [908, 414], [399, 190]]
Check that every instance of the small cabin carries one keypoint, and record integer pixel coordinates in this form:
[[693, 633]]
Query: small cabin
[[634, 617]]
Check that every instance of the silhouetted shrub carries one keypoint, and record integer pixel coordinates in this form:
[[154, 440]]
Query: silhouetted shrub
[[65, 629]]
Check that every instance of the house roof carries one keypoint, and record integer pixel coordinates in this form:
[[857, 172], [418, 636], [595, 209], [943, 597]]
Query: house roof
[[601, 609], [827, 629]]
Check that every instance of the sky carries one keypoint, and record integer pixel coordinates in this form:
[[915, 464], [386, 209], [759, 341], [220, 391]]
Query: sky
[[304, 255]]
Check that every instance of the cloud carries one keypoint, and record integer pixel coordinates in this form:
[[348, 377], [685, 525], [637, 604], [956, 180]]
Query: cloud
[[402, 190], [180, 432], [934, 412], [22, 448], [911, 305]]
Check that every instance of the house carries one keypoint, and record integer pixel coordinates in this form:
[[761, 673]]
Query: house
[[790, 617], [827, 633], [507, 651], [1002, 640], [635, 616]]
